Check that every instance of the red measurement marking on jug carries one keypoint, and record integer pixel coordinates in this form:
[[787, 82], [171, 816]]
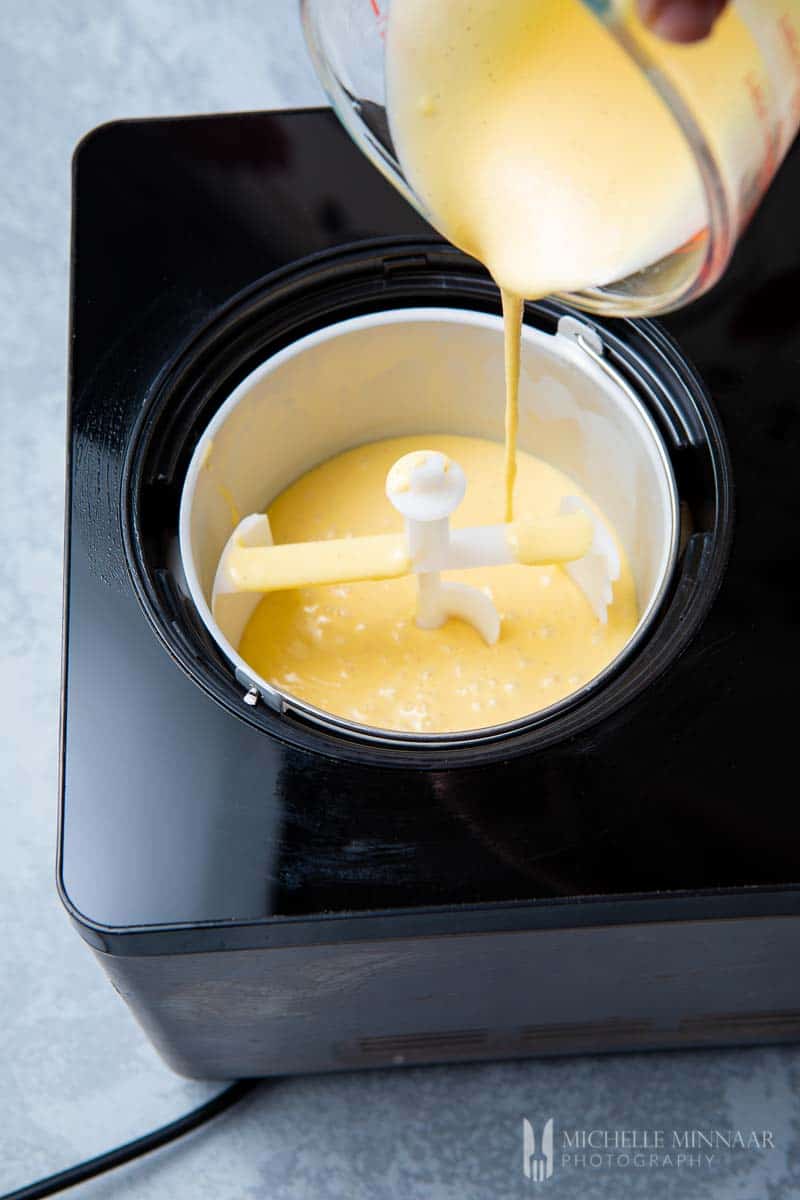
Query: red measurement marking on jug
[[380, 17], [755, 86]]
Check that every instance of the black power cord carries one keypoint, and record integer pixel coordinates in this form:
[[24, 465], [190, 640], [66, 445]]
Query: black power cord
[[135, 1149]]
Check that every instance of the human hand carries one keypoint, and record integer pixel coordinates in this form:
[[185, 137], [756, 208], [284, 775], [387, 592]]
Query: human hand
[[681, 20]]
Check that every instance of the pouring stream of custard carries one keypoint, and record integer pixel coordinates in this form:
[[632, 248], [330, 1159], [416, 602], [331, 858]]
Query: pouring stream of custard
[[537, 145]]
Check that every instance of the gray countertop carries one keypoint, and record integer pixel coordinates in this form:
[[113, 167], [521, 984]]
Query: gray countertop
[[76, 1074]]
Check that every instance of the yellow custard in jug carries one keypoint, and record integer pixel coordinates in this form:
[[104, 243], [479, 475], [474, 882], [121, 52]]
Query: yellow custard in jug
[[537, 144], [355, 651]]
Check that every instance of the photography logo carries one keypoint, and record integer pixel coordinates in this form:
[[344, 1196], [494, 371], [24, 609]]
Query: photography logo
[[537, 1156]]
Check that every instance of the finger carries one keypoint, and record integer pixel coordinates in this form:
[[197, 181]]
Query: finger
[[681, 20]]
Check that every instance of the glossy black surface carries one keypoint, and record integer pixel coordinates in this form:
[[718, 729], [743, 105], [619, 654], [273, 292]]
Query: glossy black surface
[[175, 812]]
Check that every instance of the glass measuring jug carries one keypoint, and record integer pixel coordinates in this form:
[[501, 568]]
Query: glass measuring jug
[[732, 104]]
